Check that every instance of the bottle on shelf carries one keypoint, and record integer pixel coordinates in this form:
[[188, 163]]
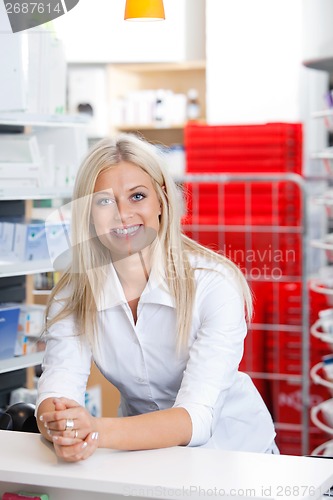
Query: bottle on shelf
[[160, 107], [193, 105]]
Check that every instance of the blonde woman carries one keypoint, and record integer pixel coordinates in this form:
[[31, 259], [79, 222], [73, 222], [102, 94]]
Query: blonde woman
[[162, 317]]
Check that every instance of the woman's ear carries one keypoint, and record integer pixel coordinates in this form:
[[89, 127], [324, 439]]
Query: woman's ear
[[161, 206], [165, 193]]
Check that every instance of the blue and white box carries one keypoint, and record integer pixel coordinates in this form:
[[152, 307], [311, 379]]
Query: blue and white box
[[9, 319], [30, 242], [7, 230]]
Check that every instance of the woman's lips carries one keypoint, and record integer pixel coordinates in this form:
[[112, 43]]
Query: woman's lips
[[126, 232]]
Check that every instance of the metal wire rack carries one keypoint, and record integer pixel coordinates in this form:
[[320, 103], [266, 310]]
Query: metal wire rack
[[260, 222]]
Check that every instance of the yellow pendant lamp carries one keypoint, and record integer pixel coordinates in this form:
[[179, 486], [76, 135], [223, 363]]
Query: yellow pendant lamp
[[144, 10]]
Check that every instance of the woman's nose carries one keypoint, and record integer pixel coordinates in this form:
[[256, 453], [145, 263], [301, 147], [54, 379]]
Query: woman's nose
[[123, 211]]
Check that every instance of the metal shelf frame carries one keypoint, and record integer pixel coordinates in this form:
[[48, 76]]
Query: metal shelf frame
[[247, 228]]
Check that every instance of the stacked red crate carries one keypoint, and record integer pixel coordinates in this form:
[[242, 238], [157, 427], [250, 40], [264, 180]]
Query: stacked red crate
[[272, 147], [254, 348], [211, 203], [261, 252], [266, 255], [284, 356]]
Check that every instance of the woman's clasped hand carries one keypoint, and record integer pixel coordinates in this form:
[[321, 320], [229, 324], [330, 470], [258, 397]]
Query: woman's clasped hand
[[76, 441]]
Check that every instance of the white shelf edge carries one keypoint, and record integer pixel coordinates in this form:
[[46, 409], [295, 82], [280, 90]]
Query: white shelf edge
[[35, 194], [322, 114], [322, 244], [150, 126], [20, 362], [35, 120], [160, 66], [324, 201], [8, 269], [41, 292], [324, 155]]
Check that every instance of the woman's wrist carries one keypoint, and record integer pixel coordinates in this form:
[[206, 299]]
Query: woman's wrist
[[99, 428]]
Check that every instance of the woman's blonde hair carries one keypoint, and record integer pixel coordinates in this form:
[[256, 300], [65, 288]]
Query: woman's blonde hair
[[89, 254]]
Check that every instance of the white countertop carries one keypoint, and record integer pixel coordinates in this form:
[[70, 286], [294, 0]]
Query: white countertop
[[180, 472]]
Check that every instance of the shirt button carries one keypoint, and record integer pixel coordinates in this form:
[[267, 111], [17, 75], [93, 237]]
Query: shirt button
[[140, 380], [153, 407]]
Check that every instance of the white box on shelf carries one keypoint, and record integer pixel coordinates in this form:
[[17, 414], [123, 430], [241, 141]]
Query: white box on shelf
[[46, 73], [58, 238], [19, 171], [93, 400], [30, 242], [33, 70], [7, 239], [12, 183], [87, 93], [19, 160], [30, 327], [25, 344], [13, 93], [19, 148], [9, 315], [31, 319], [62, 150]]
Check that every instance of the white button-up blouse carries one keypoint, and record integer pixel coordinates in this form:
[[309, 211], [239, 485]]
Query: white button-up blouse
[[140, 359]]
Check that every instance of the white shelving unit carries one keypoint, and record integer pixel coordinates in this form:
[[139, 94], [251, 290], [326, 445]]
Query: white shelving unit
[[179, 77], [319, 413], [11, 269]]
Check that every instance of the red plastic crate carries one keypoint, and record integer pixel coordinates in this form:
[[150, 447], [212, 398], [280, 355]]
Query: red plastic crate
[[253, 360], [273, 147], [289, 442], [284, 352], [287, 400], [262, 204]]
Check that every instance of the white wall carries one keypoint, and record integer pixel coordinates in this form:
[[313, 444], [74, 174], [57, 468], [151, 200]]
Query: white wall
[[254, 54], [318, 29], [95, 31]]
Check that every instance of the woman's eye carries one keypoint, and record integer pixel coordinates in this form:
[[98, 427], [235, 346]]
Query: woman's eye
[[138, 196], [104, 201]]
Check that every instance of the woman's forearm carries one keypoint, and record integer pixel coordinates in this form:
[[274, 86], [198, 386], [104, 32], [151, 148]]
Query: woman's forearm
[[160, 429]]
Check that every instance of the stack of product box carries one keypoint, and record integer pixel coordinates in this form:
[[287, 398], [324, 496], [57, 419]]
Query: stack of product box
[[20, 161], [20, 329], [36, 240]]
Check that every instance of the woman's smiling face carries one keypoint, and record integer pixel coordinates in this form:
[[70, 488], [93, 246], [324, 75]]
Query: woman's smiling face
[[125, 209]]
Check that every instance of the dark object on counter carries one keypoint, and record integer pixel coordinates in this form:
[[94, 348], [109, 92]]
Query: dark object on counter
[[19, 417]]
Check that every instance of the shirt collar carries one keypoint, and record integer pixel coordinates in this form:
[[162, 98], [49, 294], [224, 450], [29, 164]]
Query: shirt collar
[[112, 294], [157, 290]]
